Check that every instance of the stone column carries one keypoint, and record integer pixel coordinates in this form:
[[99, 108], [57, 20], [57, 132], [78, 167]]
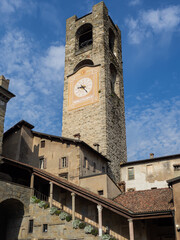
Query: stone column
[[73, 205], [51, 194], [32, 184], [99, 207], [131, 229]]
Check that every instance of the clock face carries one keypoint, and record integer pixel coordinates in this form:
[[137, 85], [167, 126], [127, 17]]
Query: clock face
[[83, 87]]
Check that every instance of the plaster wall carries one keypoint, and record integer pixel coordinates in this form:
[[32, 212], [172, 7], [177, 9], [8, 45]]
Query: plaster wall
[[100, 182], [161, 171]]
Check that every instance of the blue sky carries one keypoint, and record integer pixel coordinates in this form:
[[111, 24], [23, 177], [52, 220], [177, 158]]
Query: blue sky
[[32, 40]]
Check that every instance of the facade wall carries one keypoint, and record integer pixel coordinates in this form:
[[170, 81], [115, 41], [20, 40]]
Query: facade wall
[[102, 122], [151, 174], [100, 183]]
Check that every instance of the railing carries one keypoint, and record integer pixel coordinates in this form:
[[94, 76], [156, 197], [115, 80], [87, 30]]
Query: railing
[[40, 195]]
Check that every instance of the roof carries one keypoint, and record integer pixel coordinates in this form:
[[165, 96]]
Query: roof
[[146, 201], [150, 160], [173, 180], [122, 205], [21, 123]]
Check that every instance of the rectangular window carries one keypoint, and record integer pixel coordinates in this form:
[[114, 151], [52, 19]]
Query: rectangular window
[[31, 224], [64, 162], [100, 192], [176, 167], [64, 175], [149, 169], [130, 173], [41, 163], [45, 227], [94, 166], [42, 144]]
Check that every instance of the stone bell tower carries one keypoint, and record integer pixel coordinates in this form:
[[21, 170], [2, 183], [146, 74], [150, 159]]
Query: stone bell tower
[[93, 105]]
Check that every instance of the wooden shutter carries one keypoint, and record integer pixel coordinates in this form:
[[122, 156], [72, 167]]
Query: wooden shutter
[[66, 161], [45, 163]]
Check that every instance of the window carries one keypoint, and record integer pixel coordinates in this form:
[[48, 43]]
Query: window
[[84, 35], [86, 163], [64, 175], [100, 192], [63, 162], [31, 224], [45, 227], [176, 167], [130, 173], [103, 169], [94, 166], [149, 169], [41, 163], [42, 144], [111, 39]]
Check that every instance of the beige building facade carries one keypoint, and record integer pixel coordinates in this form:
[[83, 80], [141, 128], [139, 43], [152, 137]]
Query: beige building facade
[[150, 173]]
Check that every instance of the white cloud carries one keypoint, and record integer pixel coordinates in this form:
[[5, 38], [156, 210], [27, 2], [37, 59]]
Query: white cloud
[[134, 2], [151, 22], [36, 77], [154, 128]]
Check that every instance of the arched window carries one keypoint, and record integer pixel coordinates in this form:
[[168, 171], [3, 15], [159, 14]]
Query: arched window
[[84, 35], [111, 39], [113, 75], [86, 62]]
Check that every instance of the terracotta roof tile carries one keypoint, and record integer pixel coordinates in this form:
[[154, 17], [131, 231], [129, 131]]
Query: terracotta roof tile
[[154, 200]]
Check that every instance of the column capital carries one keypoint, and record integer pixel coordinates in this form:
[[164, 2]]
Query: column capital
[[73, 194], [130, 220], [100, 208]]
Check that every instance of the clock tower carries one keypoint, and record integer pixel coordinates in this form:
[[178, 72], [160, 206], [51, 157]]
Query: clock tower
[[93, 106]]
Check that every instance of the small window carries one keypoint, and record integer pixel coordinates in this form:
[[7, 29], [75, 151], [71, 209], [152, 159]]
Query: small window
[[31, 224], [149, 169], [68, 145], [100, 192], [64, 162], [41, 163], [94, 166], [130, 173], [45, 227], [176, 167], [42, 144], [111, 39], [103, 169], [64, 175]]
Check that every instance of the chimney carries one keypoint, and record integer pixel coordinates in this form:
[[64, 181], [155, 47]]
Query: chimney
[[96, 145], [77, 135], [151, 155]]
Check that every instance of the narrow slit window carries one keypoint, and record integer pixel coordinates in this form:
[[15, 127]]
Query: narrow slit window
[[31, 225], [45, 228], [42, 144]]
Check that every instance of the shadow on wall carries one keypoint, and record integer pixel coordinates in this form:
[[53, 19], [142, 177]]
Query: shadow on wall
[[11, 215]]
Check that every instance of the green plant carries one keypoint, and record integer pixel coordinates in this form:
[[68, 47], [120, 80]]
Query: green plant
[[112, 238], [68, 218], [75, 223], [106, 237], [33, 199], [88, 229], [63, 215], [41, 204], [58, 212], [53, 210], [94, 231], [82, 225], [46, 205]]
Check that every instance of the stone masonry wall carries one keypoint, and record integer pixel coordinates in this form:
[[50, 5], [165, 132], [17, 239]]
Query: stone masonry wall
[[102, 122]]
